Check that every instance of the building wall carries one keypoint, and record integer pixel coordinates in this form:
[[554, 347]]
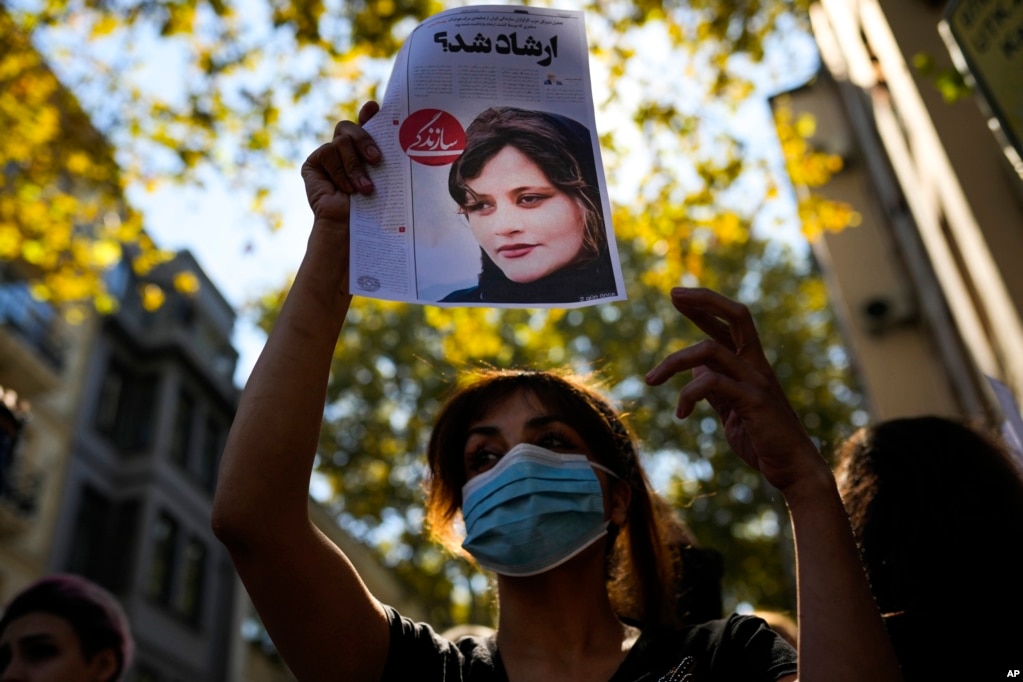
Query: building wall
[[126, 431], [43, 360], [134, 509], [942, 231]]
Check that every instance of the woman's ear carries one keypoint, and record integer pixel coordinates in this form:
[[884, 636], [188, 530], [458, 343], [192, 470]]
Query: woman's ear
[[103, 666], [621, 497]]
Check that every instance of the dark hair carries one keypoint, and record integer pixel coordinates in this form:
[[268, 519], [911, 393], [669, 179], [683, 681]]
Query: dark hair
[[641, 567], [93, 613], [559, 145], [932, 502]]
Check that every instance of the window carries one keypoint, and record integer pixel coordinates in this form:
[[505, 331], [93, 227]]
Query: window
[[160, 585], [89, 545], [193, 581], [109, 399], [178, 572], [127, 402], [33, 320], [212, 444], [104, 539], [123, 541], [10, 432], [182, 436]]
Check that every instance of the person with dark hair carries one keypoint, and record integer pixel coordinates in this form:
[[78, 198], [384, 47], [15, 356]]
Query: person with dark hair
[[545, 475], [936, 506], [64, 628], [527, 184]]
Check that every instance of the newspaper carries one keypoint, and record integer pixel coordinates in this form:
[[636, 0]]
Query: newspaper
[[522, 237]]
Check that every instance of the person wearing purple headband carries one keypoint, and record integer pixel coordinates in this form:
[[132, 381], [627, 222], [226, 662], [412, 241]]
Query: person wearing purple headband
[[64, 628]]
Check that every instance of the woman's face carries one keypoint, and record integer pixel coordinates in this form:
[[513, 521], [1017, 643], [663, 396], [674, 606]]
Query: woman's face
[[518, 419], [521, 418], [526, 225], [42, 647]]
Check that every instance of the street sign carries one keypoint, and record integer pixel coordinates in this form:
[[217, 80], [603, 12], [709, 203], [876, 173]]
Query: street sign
[[985, 39]]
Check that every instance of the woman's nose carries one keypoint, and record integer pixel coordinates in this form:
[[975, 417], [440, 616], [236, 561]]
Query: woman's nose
[[504, 223]]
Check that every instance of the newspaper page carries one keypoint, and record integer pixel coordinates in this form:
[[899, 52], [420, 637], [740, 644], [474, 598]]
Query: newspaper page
[[491, 191]]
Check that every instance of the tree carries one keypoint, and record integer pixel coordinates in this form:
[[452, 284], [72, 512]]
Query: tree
[[63, 220], [246, 88]]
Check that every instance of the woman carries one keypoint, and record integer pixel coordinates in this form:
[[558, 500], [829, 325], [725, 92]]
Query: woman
[[935, 504], [64, 628], [564, 613], [528, 186]]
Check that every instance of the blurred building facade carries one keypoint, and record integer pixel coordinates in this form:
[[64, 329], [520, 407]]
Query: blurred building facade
[[928, 288], [114, 472], [121, 422]]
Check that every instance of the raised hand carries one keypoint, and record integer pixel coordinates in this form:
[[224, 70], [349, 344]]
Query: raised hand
[[337, 169], [732, 373]]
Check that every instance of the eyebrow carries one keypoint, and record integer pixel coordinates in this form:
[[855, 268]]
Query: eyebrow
[[535, 423], [522, 189], [34, 637]]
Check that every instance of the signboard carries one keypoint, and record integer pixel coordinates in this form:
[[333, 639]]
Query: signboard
[[985, 39]]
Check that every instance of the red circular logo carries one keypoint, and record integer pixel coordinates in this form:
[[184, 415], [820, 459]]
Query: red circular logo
[[432, 137]]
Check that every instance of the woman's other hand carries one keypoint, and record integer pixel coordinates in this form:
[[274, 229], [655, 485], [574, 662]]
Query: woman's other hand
[[732, 373]]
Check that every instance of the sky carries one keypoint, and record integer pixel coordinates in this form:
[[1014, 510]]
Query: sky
[[240, 256]]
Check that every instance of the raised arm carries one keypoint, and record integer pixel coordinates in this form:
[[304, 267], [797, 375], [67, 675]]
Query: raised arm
[[323, 620], [841, 635]]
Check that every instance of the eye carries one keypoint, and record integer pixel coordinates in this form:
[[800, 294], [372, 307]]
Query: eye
[[556, 439], [479, 460], [40, 651], [532, 200], [478, 207]]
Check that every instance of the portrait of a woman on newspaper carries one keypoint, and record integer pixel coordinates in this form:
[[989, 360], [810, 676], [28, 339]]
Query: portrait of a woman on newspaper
[[527, 186]]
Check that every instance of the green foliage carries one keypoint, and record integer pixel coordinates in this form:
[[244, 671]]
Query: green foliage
[[946, 80]]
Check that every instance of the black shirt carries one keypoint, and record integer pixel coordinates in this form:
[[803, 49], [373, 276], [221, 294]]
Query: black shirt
[[733, 648]]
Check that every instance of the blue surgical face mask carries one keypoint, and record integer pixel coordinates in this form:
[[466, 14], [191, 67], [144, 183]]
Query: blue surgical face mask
[[534, 510]]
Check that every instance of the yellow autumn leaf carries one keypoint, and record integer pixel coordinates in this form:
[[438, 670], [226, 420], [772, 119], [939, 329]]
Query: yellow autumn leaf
[[377, 471], [39, 291], [105, 25], [105, 304], [105, 253], [33, 251], [729, 229], [186, 283], [806, 126], [74, 315], [78, 162], [10, 241], [152, 297]]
